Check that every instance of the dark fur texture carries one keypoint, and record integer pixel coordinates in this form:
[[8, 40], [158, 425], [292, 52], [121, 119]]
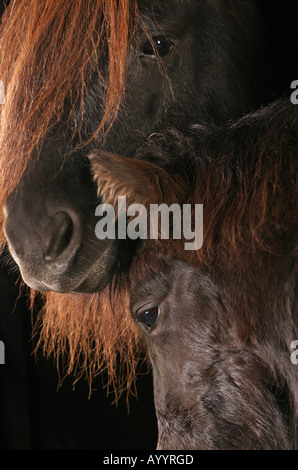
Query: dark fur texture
[[220, 348], [84, 81]]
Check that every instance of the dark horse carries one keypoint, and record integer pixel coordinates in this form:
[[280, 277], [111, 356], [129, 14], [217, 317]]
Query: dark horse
[[205, 71], [219, 322], [102, 74]]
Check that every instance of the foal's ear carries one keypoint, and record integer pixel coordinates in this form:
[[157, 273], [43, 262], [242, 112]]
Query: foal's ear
[[140, 181]]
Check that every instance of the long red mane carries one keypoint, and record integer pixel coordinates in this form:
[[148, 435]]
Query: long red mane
[[48, 53]]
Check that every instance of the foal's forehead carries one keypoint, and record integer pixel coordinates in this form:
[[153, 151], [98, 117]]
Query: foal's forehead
[[176, 281], [173, 275], [157, 284]]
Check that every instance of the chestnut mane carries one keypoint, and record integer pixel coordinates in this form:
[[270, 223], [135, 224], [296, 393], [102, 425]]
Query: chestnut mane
[[50, 67], [46, 75]]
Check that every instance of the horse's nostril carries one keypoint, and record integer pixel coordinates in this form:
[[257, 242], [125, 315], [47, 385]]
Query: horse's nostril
[[59, 236]]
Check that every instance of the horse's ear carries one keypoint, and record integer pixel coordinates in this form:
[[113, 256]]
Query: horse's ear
[[140, 181]]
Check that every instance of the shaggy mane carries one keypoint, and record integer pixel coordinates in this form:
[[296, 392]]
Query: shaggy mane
[[49, 52], [88, 334]]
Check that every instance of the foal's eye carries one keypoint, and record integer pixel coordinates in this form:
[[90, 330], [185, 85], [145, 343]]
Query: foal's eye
[[148, 318], [158, 46]]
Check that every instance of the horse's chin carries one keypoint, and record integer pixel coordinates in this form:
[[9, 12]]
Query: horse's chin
[[77, 279], [101, 272]]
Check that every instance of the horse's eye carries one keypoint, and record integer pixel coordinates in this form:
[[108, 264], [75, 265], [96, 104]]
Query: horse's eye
[[148, 318], [158, 46]]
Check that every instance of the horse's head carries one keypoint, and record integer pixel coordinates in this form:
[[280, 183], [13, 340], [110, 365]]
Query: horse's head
[[103, 75]]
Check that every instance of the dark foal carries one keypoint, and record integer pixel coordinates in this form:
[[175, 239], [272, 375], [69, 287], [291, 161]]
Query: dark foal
[[211, 389], [219, 322]]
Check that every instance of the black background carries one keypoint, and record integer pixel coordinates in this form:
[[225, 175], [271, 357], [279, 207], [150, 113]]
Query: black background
[[34, 414]]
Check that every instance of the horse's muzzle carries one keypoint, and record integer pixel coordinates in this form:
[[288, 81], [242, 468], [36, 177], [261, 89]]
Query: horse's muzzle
[[51, 250]]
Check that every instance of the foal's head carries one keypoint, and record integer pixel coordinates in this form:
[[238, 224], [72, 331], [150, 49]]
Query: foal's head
[[218, 328], [211, 390]]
